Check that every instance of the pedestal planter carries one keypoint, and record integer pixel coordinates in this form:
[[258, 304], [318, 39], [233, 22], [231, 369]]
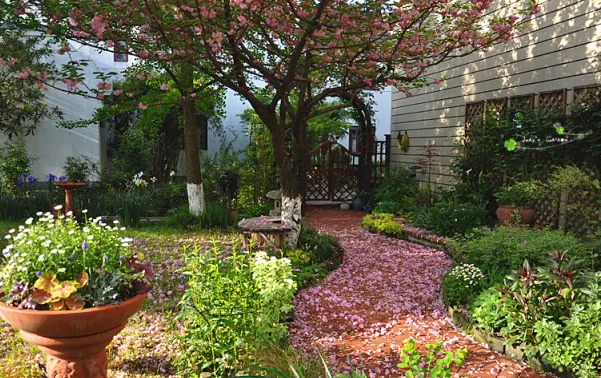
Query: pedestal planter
[[69, 187], [74, 341]]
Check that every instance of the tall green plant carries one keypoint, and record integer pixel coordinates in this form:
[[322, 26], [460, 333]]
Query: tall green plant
[[234, 305], [14, 161]]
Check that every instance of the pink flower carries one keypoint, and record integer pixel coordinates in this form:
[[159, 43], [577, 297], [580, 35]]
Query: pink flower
[[117, 92], [165, 87], [99, 25], [141, 106]]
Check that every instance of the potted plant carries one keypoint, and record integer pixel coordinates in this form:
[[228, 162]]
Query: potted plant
[[70, 288], [520, 197]]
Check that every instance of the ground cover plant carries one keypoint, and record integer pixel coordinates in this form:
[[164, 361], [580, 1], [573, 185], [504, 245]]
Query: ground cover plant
[[382, 223]]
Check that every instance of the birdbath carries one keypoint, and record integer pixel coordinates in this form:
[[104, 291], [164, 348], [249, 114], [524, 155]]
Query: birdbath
[[69, 187]]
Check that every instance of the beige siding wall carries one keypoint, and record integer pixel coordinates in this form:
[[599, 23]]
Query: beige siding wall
[[561, 50]]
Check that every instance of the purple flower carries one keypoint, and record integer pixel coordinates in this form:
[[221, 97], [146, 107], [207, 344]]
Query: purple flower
[[73, 256], [106, 258], [120, 258], [84, 245], [24, 174], [62, 178], [38, 273], [51, 177], [32, 179], [20, 181]]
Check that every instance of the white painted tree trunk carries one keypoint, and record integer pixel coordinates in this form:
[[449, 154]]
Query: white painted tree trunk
[[196, 198], [291, 215]]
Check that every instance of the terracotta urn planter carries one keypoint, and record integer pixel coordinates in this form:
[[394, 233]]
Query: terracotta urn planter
[[74, 341], [527, 213]]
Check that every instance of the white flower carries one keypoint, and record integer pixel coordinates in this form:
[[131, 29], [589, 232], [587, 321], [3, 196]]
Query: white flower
[[90, 237], [29, 221], [61, 270], [58, 207], [84, 211], [69, 213], [115, 222], [39, 213], [172, 173], [11, 231], [7, 237]]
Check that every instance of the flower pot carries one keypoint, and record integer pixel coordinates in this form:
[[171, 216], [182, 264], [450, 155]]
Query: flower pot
[[527, 213], [74, 341]]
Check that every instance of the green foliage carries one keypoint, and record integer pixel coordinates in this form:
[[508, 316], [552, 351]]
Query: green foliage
[[22, 105], [382, 223], [216, 215], [79, 169], [14, 161], [225, 160], [24, 205], [486, 312], [450, 217], [132, 206], [506, 248], [234, 305], [461, 284], [390, 207], [316, 255], [520, 194], [437, 362], [397, 191], [574, 340], [552, 311], [132, 155], [253, 210]]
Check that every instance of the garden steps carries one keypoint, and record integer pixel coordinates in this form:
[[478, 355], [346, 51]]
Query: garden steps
[[385, 291]]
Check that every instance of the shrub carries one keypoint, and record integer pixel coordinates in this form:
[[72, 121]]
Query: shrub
[[520, 194], [449, 217], [382, 223], [79, 169], [132, 206], [253, 210], [390, 207], [133, 154], [552, 311], [14, 161], [216, 215], [398, 187], [461, 284], [506, 248], [234, 305], [574, 341]]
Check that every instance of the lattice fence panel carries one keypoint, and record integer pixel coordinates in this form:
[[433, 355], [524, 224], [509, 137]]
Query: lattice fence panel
[[583, 212], [585, 94], [522, 102], [552, 101]]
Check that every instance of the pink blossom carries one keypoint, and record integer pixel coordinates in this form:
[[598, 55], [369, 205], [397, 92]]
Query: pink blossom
[[141, 106], [165, 87]]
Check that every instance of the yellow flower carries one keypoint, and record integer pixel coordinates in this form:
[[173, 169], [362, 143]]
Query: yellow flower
[[140, 256]]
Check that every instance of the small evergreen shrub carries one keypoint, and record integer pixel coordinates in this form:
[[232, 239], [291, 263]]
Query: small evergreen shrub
[[462, 284], [382, 223]]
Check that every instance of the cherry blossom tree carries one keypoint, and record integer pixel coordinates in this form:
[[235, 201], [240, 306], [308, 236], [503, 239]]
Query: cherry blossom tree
[[312, 50]]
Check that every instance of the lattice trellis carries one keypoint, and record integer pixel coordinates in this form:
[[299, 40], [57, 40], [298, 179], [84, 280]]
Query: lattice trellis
[[583, 212], [499, 106], [522, 102], [552, 101], [585, 94], [474, 112]]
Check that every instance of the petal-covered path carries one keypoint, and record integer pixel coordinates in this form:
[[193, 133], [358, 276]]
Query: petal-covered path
[[386, 291]]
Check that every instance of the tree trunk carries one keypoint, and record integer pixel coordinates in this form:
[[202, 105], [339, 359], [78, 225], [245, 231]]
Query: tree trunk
[[292, 200], [196, 196]]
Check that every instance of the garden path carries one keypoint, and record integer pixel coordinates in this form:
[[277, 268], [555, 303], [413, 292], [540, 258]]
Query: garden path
[[386, 291]]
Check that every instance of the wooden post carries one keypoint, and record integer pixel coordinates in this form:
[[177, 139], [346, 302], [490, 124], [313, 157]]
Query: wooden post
[[388, 152], [563, 204]]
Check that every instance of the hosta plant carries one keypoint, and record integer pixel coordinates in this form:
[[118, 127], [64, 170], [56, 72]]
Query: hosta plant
[[56, 263]]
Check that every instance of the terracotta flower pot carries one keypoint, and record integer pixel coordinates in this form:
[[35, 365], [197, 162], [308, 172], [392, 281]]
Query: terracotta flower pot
[[74, 341], [527, 213]]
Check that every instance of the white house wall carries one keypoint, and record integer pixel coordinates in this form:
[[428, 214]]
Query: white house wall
[[561, 50], [51, 145]]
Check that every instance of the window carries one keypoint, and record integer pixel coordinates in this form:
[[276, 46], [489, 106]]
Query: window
[[120, 54], [552, 101]]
